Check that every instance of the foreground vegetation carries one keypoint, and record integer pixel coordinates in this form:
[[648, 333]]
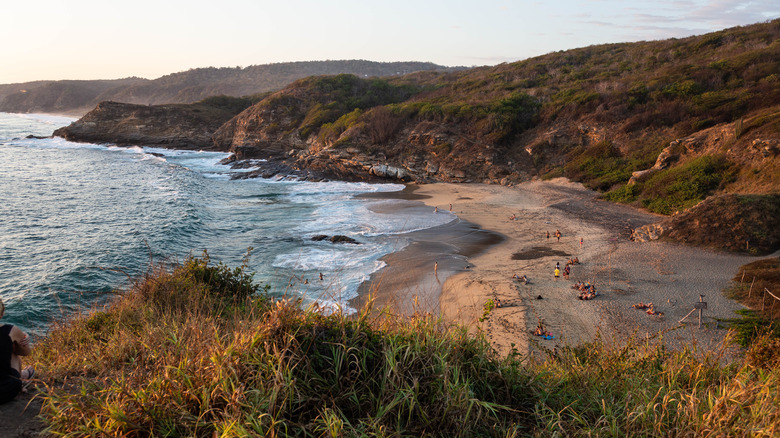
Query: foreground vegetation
[[200, 350], [762, 317]]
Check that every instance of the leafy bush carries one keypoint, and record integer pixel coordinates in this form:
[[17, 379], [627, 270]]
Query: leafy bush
[[677, 188], [599, 167], [681, 187]]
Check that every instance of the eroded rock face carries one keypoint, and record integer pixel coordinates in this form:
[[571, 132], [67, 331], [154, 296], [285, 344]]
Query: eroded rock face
[[740, 223], [171, 126]]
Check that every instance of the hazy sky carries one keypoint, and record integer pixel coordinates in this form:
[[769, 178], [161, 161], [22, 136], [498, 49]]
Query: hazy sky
[[105, 39]]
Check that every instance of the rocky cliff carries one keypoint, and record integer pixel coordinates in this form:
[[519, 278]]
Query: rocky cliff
[[172, 126]]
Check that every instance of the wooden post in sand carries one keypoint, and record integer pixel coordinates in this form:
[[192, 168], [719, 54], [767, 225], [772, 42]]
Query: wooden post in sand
[[700, 306]]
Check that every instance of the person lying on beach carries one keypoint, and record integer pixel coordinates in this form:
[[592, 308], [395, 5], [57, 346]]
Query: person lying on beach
[[584, 287], [574, 261], [641, 306], [651, 311], [13, 344], [513, 217], [588, 295], [523, 279]]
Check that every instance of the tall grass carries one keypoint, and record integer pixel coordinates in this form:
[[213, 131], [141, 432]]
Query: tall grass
[[181, 354]]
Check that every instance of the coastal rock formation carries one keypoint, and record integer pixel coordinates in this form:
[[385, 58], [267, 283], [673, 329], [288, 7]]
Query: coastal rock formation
[[335, 239], [739, 223], [171, 126]]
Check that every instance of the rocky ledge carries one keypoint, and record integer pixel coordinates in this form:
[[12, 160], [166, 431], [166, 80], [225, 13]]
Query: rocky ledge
[[737, 223], [170, 126]]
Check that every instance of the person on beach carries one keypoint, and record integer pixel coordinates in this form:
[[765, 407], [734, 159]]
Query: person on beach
[[548, 235], [450, 207], [580, 242], [557, 273], [566, 271], [558, 235], [522, 279], [435, 268], [13, 343]]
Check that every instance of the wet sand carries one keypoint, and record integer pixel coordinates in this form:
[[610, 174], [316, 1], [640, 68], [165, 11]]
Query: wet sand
[[413, 277]]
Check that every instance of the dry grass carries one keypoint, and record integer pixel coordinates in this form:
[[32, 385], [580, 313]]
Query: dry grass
[[180, 355]]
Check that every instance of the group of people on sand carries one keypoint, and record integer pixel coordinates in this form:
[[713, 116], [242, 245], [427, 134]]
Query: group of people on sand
[[648, 308], [14, 343], [557, 235], [566, 269], [587, 290]]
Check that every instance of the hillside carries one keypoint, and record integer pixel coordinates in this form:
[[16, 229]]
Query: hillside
[[661, 125], [78, 97]]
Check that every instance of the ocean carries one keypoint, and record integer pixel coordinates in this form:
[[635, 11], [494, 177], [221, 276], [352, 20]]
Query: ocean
[[81, 220]]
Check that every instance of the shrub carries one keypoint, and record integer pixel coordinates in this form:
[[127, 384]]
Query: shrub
[[678, 188]]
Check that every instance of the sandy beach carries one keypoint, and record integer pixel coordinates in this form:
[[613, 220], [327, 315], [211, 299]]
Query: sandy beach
[[479, 267]]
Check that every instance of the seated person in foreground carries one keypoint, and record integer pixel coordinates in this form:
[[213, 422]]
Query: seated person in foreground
[[13, 344]]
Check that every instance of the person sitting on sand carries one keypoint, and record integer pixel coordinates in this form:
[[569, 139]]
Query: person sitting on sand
[[498, 303], [13, 343], [540, 331], [513, 217]]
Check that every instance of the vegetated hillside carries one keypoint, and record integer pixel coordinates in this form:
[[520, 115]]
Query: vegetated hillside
[[78, 97], [58, 97], [656, 111]]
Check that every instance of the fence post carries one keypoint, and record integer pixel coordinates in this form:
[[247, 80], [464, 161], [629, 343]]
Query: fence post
[[763, 301], [751, 286]]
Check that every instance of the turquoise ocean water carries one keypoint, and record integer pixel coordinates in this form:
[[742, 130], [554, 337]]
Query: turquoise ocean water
[[79, 220]]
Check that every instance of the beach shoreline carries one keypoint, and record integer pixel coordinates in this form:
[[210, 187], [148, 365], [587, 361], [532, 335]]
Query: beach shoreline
[[671, 276], [412, 278]]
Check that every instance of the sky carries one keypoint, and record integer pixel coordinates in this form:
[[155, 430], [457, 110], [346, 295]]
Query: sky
[[105, 39]]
